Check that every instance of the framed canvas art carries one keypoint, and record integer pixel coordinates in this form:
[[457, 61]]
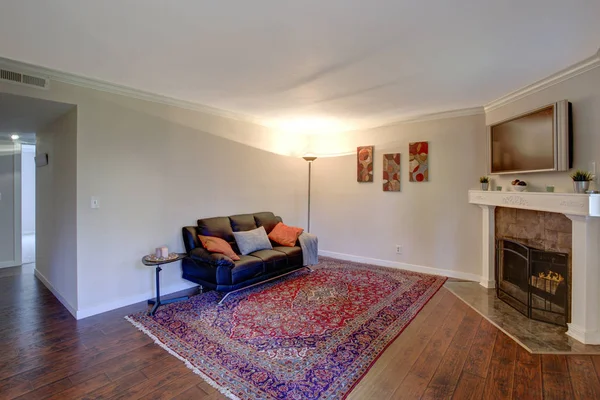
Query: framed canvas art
[[391, 172], [364, 164], [418, 161]]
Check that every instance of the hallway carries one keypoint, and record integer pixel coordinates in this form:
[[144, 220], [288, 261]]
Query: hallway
[[28, 248]]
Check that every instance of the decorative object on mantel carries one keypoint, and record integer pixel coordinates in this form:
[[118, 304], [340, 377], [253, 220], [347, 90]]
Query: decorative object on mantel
[[391, 172], [518, 185], [581, 181], [485, 182], [550, 188], [498, 188], [364, 164], [418, 161]]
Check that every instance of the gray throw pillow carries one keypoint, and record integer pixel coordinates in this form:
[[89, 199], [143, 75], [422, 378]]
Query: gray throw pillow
[[251, 241]]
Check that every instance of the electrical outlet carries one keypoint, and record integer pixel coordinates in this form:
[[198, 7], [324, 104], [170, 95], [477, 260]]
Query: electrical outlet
[[398, 249]]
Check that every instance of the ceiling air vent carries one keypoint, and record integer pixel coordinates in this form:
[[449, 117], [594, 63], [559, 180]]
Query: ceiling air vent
[[23, 79]]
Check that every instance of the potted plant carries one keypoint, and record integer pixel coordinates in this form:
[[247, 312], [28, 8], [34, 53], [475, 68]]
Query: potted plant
[[581, 180], [485, 182]]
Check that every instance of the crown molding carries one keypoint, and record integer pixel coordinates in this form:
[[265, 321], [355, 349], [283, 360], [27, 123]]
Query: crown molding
[[461, 112], [567, 73], [97, 84]]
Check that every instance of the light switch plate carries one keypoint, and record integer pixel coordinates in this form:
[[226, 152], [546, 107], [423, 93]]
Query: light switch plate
[[95, 202]]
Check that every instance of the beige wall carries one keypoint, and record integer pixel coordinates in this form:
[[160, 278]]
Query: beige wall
[[584, 92], [433, 222], [56, 209], [154, 171], [156, 168]]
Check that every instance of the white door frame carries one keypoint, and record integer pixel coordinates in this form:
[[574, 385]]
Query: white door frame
[[16, 208], [18, 205]]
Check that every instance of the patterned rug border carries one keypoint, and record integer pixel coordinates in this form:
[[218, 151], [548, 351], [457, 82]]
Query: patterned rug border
[[227, 392]]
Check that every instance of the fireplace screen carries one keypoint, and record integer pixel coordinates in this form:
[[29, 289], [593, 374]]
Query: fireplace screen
[[533, 281]]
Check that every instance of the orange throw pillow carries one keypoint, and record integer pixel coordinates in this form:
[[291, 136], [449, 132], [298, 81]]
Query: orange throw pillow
[[285, 235], [218, 245]]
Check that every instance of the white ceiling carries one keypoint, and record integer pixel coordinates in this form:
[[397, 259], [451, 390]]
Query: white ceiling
[[308, 65]]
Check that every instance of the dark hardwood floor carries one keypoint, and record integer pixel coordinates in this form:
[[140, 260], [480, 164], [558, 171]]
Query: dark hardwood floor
[[448, 351]]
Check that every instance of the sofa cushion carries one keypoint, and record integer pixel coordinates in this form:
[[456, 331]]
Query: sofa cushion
[[289, 251], [218, 245], [266, 219], [274, 260], [285, 235], [242, 222], [246, 268], [294, 254], [217, 226], [215, 259], [251, 241]]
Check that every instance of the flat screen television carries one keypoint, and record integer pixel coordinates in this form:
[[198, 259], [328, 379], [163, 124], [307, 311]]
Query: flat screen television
[[538, 141]]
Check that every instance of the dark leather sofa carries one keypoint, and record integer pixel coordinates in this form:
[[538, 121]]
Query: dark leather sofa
[[219, 272]]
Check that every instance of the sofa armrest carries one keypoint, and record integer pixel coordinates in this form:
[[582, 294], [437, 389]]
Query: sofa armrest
[[202, 255]]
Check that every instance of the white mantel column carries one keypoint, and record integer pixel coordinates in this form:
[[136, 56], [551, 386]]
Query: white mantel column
[[585, 280], [488, 261]]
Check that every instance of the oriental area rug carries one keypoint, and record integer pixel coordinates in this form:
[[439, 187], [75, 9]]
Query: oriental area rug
[[309, 335]]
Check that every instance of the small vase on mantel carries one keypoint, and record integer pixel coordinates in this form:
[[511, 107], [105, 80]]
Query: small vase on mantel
[[581, 181], [485, 182], [581, 186]]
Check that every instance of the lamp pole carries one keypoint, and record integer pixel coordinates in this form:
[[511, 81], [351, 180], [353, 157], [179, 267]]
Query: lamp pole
[[310, 160]]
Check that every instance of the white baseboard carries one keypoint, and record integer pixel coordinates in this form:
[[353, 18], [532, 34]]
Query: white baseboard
[[55, 292], [126, 301], [487, 284], [395, 264], [8, 264], [580, 334]]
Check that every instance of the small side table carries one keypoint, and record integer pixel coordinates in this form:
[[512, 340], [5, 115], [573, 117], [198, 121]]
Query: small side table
[[157, 263]]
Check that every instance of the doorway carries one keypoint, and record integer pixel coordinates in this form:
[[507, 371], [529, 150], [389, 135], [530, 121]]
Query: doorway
[[28, 202]]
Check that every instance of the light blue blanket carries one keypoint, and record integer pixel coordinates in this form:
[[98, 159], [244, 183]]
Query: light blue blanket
[[310, 248]]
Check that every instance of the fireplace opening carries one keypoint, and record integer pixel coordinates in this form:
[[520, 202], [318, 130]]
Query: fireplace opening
[[533, 281]]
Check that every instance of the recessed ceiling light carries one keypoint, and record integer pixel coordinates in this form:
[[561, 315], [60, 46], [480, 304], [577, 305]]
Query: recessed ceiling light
[[14, 137]]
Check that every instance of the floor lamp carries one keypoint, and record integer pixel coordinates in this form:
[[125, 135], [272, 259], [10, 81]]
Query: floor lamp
[[310, 160]]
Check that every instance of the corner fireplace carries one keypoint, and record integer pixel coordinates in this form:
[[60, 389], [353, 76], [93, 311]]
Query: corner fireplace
[[533, 281]]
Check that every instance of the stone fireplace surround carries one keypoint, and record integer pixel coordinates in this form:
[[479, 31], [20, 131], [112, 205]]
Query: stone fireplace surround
[[584, 212]]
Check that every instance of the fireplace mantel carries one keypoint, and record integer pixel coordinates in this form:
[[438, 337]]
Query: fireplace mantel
[[587, 205], [584, 212]]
